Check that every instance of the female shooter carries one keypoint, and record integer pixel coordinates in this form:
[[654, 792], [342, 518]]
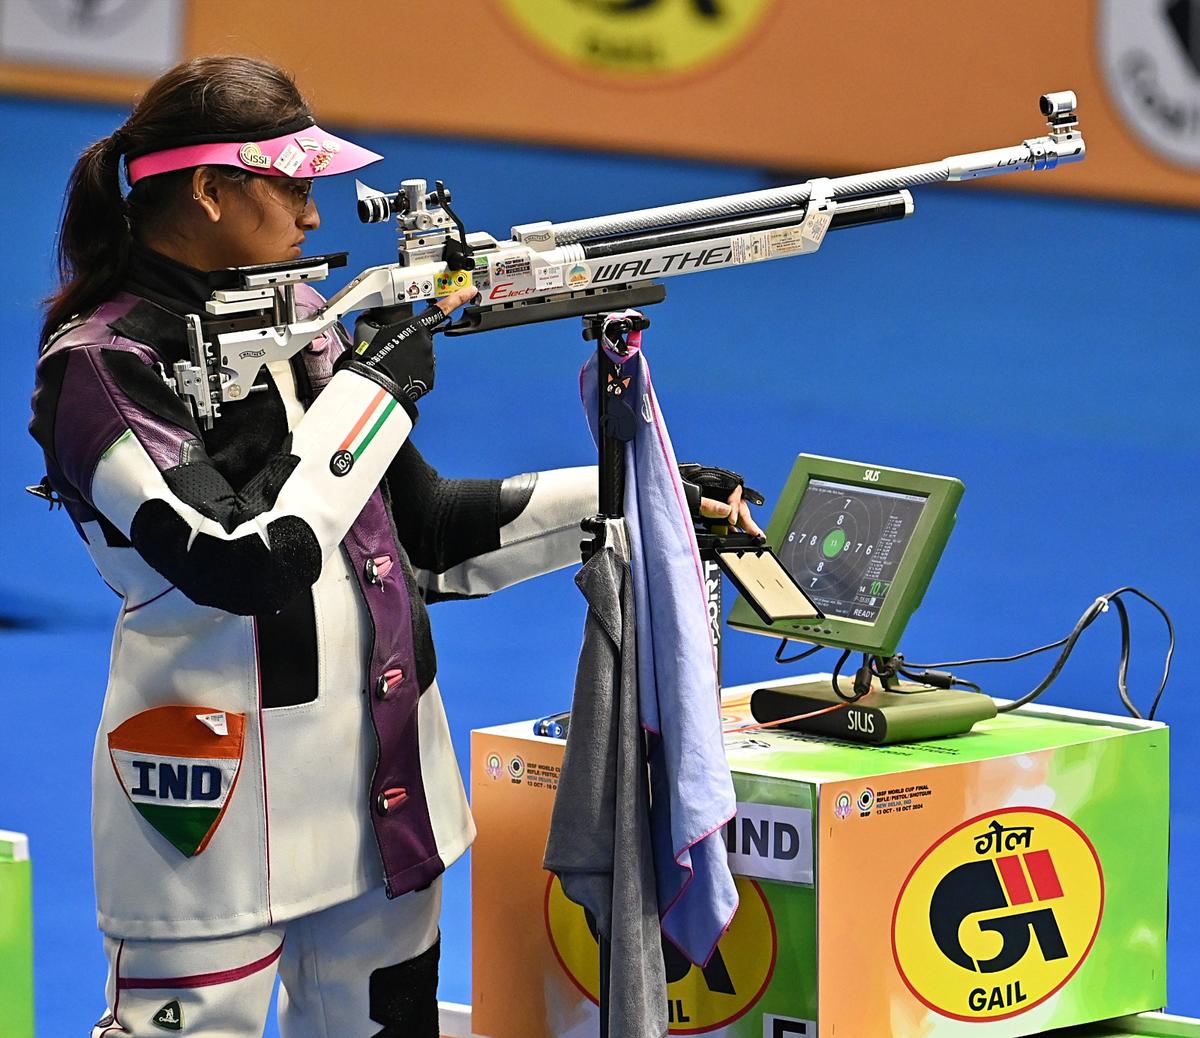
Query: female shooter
[[273, 755]]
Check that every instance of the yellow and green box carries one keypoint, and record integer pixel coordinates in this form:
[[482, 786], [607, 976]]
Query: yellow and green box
[[1001, 883], [16, 936]]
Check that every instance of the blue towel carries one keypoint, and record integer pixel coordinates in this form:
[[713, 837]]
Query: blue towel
[[679, 702]]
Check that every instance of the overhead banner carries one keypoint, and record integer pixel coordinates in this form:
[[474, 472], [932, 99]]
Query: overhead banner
[[781, 84]]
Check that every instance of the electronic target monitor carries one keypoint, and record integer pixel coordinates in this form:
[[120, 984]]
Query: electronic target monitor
[[862, 542]]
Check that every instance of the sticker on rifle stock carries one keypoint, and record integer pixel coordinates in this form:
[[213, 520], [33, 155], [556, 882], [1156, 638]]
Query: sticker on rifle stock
[[786, 240], [750, 248], [451, 281], [511, 267], [546, 278]]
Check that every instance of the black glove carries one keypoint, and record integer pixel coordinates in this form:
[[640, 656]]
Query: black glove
[[707, 481], [395, 349]]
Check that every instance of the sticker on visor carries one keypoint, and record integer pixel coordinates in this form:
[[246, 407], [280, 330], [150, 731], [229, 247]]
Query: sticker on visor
[[289, 160], [252, 155]]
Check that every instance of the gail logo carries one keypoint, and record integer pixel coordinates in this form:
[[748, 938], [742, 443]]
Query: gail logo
[[871, 475]]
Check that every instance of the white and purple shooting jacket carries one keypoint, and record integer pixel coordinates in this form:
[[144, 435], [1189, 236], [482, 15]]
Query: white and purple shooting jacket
[[272, 739]]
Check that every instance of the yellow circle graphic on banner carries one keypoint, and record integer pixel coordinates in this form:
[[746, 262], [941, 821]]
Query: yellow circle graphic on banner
[[698, 1000], [640, 38], [998, 914]]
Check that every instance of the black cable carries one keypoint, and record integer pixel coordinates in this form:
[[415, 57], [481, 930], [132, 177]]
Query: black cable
[[837, 670], [1166, 660], [1123, 666], [945, 679], [990, 659], [1068, 643], [1089, 616], [799, 656]]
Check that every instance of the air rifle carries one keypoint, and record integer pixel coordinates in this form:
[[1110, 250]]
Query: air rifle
[[548, 270]]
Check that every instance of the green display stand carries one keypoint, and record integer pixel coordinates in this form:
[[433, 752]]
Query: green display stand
[[1005, 882], [16, 935]]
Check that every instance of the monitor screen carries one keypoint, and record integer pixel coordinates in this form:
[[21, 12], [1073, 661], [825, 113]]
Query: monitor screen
[[862, 542], [845, 544]]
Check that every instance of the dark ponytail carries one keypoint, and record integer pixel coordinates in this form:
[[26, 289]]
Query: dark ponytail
[[211, 98], [93, 246]]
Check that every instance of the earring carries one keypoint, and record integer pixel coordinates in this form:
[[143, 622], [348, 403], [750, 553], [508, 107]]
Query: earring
[[196, 197]]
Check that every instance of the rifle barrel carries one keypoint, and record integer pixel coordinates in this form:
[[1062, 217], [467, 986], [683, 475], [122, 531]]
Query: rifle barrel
[[894, 205], [1035, 154]]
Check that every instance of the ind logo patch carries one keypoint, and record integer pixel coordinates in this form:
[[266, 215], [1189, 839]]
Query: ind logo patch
[[998, 914], [178, 766]]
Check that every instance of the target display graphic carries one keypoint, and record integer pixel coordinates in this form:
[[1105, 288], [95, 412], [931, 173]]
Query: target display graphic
[[845, 544], [862, 542]]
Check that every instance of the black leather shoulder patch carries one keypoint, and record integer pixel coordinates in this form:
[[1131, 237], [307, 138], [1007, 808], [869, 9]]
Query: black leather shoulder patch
[[145, 387], [152, 325]]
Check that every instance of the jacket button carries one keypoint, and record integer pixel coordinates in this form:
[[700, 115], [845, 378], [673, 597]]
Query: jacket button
[[388, 680], [389, 799], [377, 568]]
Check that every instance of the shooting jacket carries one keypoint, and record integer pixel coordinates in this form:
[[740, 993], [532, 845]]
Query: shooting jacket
[[272, 739]]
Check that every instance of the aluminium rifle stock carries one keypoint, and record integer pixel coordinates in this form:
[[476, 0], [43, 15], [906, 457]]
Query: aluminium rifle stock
[[547, 271]]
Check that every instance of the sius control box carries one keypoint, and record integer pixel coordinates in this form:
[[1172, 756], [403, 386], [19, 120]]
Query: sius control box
[[1004, 883]]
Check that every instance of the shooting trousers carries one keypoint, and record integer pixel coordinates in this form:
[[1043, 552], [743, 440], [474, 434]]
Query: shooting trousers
[[599, 842]]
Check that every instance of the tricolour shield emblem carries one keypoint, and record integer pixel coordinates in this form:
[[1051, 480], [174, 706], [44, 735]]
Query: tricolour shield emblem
[[178, 766]]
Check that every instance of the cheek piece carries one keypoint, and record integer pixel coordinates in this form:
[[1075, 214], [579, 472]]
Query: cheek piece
[[306, 152]]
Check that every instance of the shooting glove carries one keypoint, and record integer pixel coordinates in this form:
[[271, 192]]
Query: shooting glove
[[394, 348], [707, 481]]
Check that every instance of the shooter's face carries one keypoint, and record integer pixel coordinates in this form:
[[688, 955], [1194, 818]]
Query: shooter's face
[[263, 220]]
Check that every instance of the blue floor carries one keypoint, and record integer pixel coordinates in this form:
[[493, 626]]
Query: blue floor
[[1043, 351]]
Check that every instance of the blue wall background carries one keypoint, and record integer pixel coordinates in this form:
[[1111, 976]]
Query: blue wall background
[[1044, 351]]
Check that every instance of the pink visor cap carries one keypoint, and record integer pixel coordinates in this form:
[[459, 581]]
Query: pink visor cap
[[311, 152]]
